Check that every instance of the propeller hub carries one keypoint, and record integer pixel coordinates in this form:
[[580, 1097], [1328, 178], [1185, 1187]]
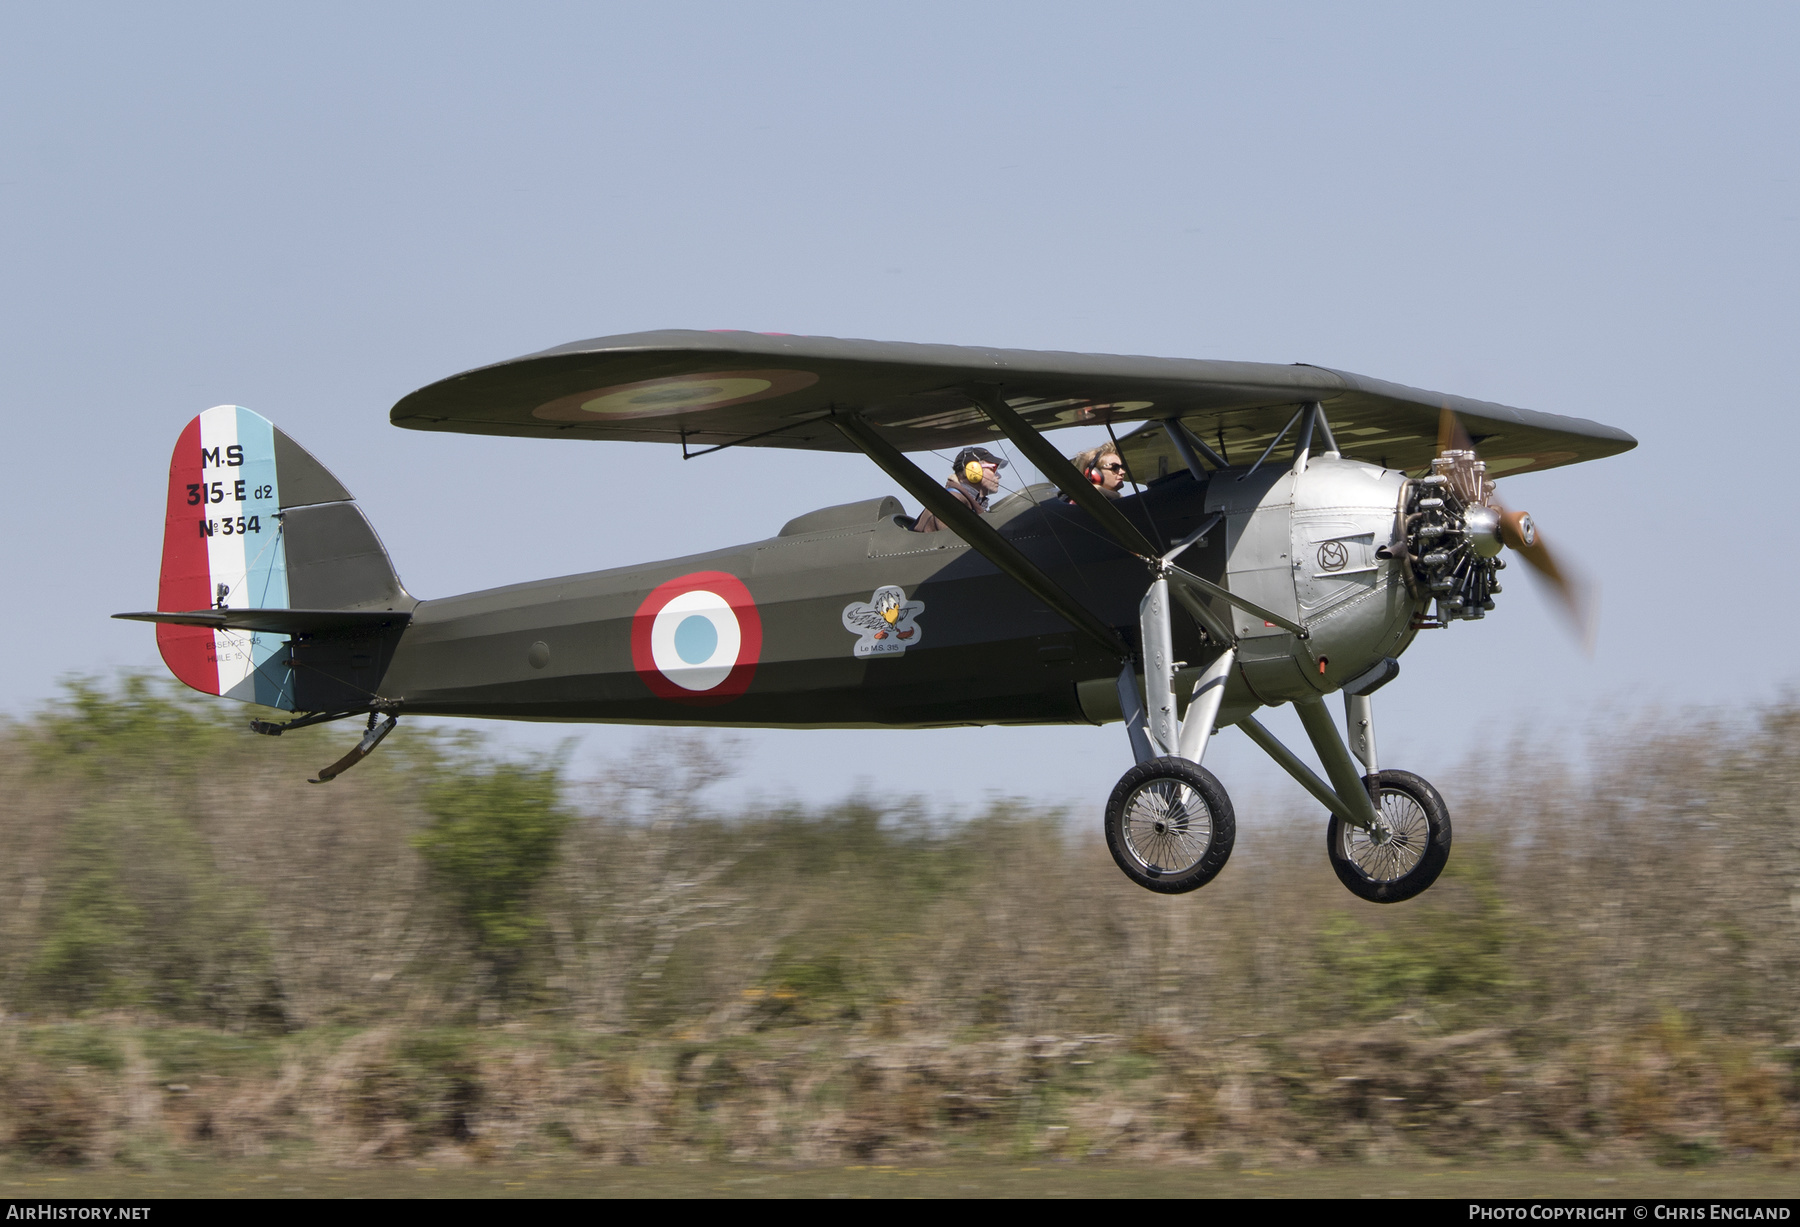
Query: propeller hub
[[1455, 525], [1482, 524]]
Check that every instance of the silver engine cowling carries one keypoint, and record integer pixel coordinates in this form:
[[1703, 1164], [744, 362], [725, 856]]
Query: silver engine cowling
[[1326, 548]]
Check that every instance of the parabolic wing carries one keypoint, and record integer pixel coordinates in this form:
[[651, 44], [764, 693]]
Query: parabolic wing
[[708, 389]]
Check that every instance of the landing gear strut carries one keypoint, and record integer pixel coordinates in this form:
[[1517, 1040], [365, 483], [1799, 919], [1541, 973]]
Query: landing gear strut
[[1389, 833], [1169, 822]]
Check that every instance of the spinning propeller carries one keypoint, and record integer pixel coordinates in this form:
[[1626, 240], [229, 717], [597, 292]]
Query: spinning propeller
[[1490, 525]]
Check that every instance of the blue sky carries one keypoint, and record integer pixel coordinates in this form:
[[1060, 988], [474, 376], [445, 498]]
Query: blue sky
[[313, 210]]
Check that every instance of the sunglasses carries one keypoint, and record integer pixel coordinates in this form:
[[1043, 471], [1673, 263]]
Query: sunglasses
[[1113, 468]]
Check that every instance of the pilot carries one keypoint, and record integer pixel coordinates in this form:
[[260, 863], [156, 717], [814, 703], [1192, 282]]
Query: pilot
[[1103, 467], [974, 475]]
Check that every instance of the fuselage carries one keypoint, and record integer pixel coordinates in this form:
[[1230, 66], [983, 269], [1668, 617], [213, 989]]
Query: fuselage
[[816, 647], [982, 649]]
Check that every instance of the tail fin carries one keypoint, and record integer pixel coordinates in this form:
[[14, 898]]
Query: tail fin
[[254, 522]]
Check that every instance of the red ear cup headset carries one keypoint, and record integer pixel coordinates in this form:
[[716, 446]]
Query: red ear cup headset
[[1094, 475]]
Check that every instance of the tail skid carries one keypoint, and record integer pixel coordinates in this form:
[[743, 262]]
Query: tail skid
[[362, 750]]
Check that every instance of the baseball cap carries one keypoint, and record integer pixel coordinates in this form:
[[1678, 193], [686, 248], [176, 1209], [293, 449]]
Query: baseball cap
[[976, 453]]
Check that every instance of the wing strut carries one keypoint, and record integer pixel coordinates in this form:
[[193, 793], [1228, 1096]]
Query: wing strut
[[1187, 443], [1050, 462], [978, 532]]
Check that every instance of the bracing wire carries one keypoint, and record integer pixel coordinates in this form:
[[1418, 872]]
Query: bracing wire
[[1137, 490], [1049, 522]]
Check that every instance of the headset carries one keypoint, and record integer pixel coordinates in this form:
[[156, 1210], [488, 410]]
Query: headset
[[972, 472], [1094, 475]]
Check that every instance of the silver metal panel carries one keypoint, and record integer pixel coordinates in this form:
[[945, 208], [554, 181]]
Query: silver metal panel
[[1258, 542], [1359, 723], [1231, 491], [1354, 603], [1343, 513], [1203, 708], [1159, 659], [1276, 678]]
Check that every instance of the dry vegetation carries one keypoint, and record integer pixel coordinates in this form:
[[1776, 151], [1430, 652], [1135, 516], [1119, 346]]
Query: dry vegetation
[[444, 954]]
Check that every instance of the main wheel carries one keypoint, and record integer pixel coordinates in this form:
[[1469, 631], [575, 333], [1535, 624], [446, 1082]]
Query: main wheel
[[1169, 825], [1407, 850]]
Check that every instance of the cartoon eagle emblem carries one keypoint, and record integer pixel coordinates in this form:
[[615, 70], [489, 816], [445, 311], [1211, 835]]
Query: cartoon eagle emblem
[[886, 625]]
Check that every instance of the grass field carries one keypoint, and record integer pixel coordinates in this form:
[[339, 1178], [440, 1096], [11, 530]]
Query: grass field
[[537, 984], [949, 1180]]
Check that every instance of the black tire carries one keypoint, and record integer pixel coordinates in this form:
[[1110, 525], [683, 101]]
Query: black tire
[[1169, 825], [1409, 855]]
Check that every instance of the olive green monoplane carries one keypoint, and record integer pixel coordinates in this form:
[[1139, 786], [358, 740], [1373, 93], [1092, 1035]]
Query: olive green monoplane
[[1287, 532]]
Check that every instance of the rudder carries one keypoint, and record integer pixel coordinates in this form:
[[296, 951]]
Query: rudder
[[254, 521]]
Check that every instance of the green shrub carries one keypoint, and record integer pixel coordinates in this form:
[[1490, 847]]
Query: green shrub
[[494, 836], [1449, 952]]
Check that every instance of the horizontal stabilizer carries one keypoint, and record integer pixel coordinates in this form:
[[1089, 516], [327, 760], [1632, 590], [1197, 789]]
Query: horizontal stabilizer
[[279, 621]]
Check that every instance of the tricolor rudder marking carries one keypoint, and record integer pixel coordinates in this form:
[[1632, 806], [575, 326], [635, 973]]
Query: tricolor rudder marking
[[696, 639], [223, 549]]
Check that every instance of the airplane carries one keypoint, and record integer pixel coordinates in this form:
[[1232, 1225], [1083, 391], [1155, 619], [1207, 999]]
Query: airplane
[[1289, 531]]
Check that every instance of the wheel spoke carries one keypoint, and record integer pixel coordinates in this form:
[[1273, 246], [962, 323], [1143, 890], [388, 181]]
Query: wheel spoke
[[1167, 826], [1398, 848]]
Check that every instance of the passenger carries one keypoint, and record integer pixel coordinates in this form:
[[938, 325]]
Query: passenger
[[1103, 467], [974, 475]]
